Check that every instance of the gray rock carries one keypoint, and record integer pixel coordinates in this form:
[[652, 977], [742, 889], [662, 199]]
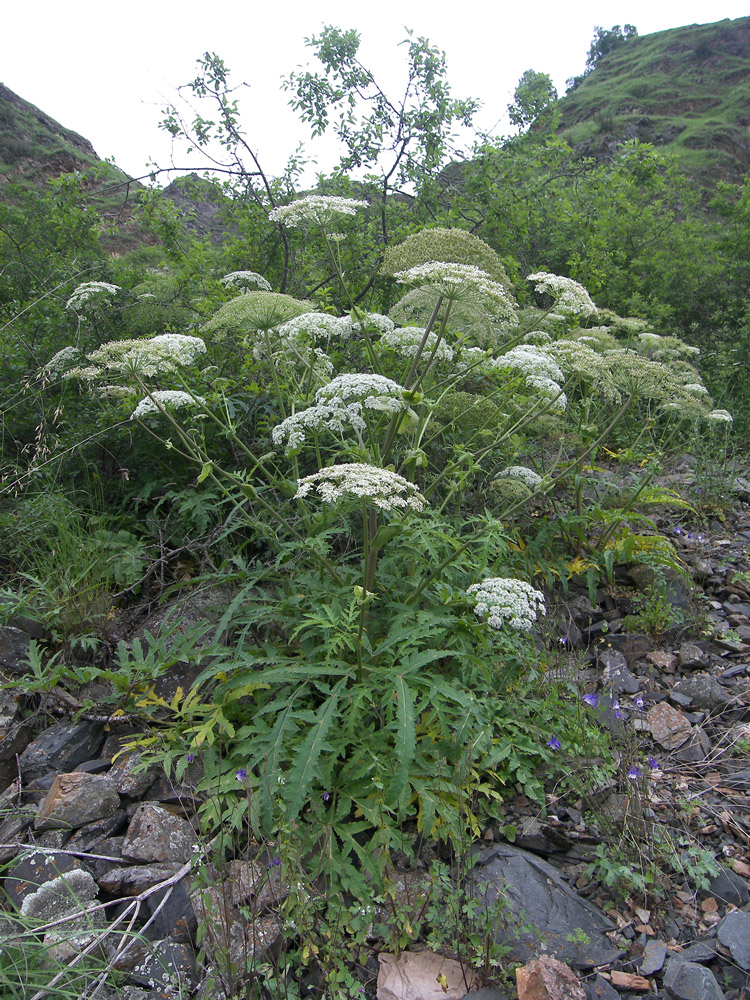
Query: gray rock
[[487, 993], [95, 836], [695, 750], [14, 649], [600, 988], [739, 779], [617, 678], [691, 657], [538, 907], [633, 645], [174, 916], [134, 879], [729, 887], [76, 799], [654, 955], [700, 951], [61, 748], [31, 870], [155, 834], [167, 965], [703, 690], [734, 933], [690, 981]]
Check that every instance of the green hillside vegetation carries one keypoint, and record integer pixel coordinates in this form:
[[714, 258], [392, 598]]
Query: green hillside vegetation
[[686, 90]]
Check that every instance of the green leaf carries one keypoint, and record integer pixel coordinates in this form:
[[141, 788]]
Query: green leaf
[[405, 745], [304, 768]]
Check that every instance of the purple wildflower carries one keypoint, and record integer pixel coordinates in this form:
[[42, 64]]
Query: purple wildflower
[[634, 773], [591, 699], [274, 863], [553, 743], [326, 796], [616, 709], [653, 763], [241, 774], [190, 758], [639, 702]]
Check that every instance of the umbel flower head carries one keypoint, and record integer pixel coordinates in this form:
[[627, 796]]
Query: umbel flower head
[[255, 311], [91, 294], [376, 392], [335, 416], [382, 487], [461, 281], [314, 210], [523, 474], [452, 246], [148, 357], [571, 298], [406, 340], [164, 399], [245, 281], [312, 327], [501, 601]]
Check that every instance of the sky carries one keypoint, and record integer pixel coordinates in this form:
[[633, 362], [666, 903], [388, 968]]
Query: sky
[[106, 70]]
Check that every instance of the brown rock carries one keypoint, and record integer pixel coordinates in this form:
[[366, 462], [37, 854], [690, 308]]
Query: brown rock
[[155, 834], [663, 660], [547, 979], [75, 799], [668, 726], [629, 981]]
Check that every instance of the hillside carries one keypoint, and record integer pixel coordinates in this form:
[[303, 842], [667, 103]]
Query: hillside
[[686, 89]]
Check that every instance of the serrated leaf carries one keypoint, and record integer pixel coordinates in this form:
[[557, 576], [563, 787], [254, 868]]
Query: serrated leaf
[[305, 765], [406, 741]]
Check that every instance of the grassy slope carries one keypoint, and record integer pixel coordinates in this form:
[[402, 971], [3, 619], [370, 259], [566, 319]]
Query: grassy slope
[[687, 89]]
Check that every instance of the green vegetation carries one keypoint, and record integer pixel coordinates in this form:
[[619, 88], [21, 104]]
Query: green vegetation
[[372, 415]]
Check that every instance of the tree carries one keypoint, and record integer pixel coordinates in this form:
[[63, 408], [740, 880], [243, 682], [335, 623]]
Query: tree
[[603, 42], [534, 95]]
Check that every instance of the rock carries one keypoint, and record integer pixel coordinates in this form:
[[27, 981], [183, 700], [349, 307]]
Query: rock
[[14, 735], [663, 660], [632, 645], [75, 799], [668, 726], [695, 750], [134, 879], [599, 988], [547, 979], [131, 777], [95, 837], [734, 933], [166, 966], [35, 868], [630, 981], [14, 650], [699, 951], [173, 914], [690, 981], [654, 955], [61, 748], [223, 930], [616, 677], [422, 975], [703, 690], [259, 885], [487, 993], [691, 657], [739, 779], [154, 834], [531, 893], [741, 487], [729, 887], [541, 838]]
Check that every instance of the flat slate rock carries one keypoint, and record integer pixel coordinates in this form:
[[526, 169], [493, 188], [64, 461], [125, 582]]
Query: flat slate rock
[[61, 748], [31, 870], [729, 887], [699, 951], [734, 933], [531, 893], [654, 955], [690, 981]]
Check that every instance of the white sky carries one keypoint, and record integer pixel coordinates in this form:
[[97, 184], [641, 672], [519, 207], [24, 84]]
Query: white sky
[[105, 70]]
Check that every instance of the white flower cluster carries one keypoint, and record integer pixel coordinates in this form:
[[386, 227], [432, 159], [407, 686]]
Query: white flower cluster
[[458, 281], [577, 360], [376, 392], [164, 399], [720, 417], [244, 281], [383, 324], [316, 326], [522, 473], [406, 341], [537, 338], [335, 416], [315, 209], [385, 489], [696, 389], [164, 353], [89, 294], [548, 388], [532, 361], [63, 360], [571, 298], [503, 601]]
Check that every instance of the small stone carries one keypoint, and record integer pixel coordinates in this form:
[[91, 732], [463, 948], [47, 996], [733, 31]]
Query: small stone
[[95, 837], [599, 988], [166, 965], [668, 726], [617, 677], [134, 879], [699, 951], [734, 933], [654, 955], [690, 981], [695, 750], [155, 834], [663, 660], [629, 981], [75, 799], [548, 979], [14, 650], [729, 887], [691, 657], [130, 775]]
